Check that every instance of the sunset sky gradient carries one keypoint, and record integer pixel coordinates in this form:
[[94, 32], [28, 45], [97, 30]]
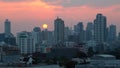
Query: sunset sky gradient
[[26, 14]]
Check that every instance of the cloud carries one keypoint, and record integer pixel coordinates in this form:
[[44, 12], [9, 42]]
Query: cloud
[[93, 3], [15, 0], [73, 3]]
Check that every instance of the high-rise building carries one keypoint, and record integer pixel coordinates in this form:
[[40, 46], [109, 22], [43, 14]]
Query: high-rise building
[[79, 30], [26, 42], [7, 26], [37, 35], [9, 37], [45, 35], [111, 33], [100, 24], [50, 37], [119, 36], [67, 33], [89, 31], [59, 31]]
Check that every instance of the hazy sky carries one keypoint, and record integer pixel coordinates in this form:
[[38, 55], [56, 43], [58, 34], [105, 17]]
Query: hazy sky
[[26, 14]]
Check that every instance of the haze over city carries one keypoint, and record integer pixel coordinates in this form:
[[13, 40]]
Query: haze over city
[[26, 14], [60, 33]]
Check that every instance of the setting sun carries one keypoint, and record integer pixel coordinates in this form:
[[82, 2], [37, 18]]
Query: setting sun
[[45, 26]]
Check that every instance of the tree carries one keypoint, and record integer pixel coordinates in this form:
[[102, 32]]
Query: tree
[[81, 55], [90, 52]]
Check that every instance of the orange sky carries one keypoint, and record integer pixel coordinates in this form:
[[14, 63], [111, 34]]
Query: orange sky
[[27, 15]]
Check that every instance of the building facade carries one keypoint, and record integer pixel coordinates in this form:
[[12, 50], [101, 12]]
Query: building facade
[[80, 32], [89, 31], [26, 42], [59, 31], [111, 33], [100, 29]]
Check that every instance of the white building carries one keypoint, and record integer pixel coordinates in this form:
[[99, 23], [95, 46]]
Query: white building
[[25, 42]]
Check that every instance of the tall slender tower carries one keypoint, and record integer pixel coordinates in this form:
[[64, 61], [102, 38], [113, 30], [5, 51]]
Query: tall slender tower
[[7, 29], [59, 31], [7, 26], [100, 29]]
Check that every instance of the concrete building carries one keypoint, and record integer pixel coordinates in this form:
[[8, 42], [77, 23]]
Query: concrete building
[[92, 44], [50, 37], [37, 35], [67, 33], [7, 28], [79, 30], [8, 37], [59, 31], [100, 24], [111, 33], [2, 37], [26, 42], [119, 36], [89, 31]]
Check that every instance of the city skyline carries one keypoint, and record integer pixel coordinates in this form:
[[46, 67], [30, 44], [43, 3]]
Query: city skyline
[[60, 33], [20, 13]]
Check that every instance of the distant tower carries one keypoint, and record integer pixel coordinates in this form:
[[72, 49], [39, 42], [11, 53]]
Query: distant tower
[[89, 30], [79, 30], [37, 35], [7, 26], [59, 30], [67, 32], [7, 29], [100, 29], [111, 33], [119, 36]]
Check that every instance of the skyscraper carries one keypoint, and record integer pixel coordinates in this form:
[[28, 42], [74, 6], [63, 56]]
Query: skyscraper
[[89, 31], [67, 33], [111, 33], [26, 42], [100, 28], [37, 35], [9, 37], [45, 35], [7, 26], [79, 30], [59, 31]]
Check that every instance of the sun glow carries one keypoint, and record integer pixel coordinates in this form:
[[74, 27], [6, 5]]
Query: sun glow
[[45, 26]]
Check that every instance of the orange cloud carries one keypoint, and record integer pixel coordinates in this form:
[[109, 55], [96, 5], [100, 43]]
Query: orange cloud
[[27, 15]]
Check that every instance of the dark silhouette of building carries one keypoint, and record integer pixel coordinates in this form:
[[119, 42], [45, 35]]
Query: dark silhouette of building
[[100, 28], [111, 34], [79, 30], [89, 31], [59, 31]]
